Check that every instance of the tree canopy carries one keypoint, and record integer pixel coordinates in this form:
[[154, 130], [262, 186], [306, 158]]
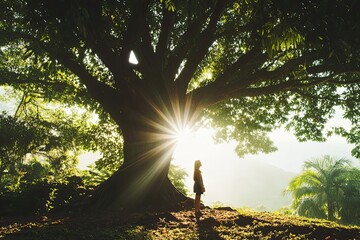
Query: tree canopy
[[243, 67]]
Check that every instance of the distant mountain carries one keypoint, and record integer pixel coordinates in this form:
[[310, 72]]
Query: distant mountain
[[263, 186], [248, 183]]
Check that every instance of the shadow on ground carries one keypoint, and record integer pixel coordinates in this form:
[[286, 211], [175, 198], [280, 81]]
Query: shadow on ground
[[220, 223]]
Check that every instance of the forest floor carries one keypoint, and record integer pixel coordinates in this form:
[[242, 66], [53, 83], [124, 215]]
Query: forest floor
[[217, 223]]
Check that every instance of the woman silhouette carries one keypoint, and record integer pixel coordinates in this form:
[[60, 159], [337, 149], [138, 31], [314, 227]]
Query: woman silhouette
[[198, 187]]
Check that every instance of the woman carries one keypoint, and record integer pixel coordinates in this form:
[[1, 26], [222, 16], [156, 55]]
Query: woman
[[198, 187]]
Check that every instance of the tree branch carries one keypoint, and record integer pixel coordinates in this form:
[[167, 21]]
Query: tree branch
[[167, 26], [346, 82], [101, 92], [130, 40], [8, 77], [336, 68], [208, 98], [240, 63], [234, 74], [339, 100], [180, 52], [98, 90], [132, 34], [199, 50], [148, 64]]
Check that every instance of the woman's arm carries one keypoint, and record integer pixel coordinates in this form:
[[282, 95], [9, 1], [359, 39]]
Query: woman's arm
[[201, 182]]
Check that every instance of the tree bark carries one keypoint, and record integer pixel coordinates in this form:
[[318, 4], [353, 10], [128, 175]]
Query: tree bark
[[142, 181], [330, 210]]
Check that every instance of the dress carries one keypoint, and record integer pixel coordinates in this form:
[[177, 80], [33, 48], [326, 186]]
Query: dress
[[198, 183]]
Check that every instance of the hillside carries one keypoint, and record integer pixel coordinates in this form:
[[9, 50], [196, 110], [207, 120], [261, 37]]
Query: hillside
[[220, 223]]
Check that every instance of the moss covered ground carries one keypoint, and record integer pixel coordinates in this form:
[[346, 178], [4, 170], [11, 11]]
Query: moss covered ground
[[215, 223]]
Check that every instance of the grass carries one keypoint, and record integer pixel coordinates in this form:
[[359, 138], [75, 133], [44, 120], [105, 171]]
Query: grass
[[217, 223]]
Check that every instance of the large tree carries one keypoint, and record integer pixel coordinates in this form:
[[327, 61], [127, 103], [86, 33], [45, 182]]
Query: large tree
[[244, 67]]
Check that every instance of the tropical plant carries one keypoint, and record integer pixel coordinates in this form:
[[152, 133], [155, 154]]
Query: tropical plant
[[350, 207], [325, 189], [243, 67]]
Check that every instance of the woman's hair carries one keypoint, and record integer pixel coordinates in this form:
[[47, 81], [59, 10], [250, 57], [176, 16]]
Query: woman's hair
[[197, 164]]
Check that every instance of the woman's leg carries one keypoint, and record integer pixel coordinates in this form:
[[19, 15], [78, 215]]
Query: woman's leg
[[197, 203], [199, 200]]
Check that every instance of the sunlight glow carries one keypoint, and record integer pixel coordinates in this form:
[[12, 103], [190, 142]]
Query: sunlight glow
[[208, 74], [88, 158], [182, 136], [132, 58]]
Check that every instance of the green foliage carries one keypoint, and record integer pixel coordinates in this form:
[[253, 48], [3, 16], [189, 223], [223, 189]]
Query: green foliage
[[49, 205], [106, 139], [177, 176], [350, 210], [35, 141], [27, 173], [42, 196], [94, 176], [16, 139], [169, 4], [139, 233], [247, 120], [352, 136], [327, 188], [285, 211], [52, 135]]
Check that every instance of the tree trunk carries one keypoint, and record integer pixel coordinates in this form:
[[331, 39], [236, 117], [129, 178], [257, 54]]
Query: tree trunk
[[330, 210], [142, 181], [148, 125]]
